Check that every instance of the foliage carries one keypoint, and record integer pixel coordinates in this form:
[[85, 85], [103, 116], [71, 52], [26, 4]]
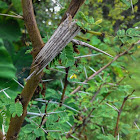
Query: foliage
[[67, 57], [92, 112], [14, 108], [128, 35]]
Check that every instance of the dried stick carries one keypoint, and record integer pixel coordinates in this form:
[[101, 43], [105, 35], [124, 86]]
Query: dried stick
[[18, 16], [119, 113], [61, 37]]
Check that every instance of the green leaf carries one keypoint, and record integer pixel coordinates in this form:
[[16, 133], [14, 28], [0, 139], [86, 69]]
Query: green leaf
[[31, 136], [54, 135], [79, 23], [95, 40], [10, 31], [98, 21], [29, 128], [67, 56], [125, 131], [16, 109], [91, 20], [45, 39], [51, 119], [5, 101], [39, 132], [124, 39], [132, 32], [63, 117], [3, 5], [85, 18], [7, 69], [128, 3], [104, 137], [121, 33], [87, 2], [17, 5]]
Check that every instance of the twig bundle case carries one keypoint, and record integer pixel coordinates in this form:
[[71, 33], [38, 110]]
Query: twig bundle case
[[58, 41]]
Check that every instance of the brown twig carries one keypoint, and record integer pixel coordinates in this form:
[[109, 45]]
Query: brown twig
[[65, 86], [119, 113], [76, 126], [83, 123], [43, 118]]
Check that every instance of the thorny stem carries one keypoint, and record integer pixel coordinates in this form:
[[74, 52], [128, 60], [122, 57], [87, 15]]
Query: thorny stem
[[101, 69], [75, 127], [119, 113], [78, 42]]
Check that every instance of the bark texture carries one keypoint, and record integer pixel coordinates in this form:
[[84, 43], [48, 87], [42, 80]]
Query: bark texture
[[30, 87], [1, 135], [58, 41], [31, 25], [37, 43], [73, 8]]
